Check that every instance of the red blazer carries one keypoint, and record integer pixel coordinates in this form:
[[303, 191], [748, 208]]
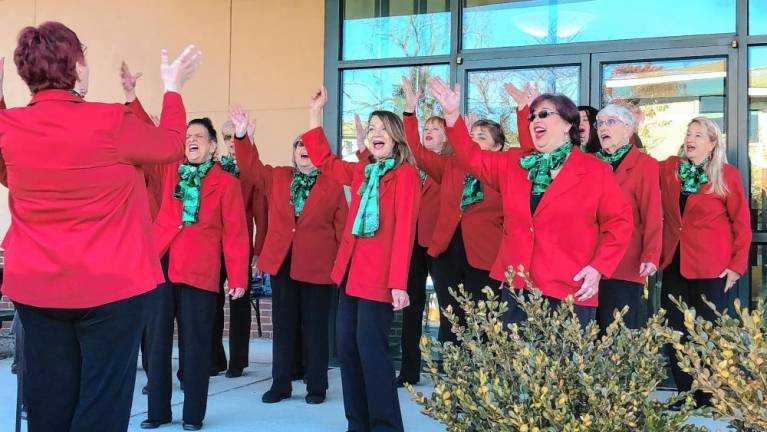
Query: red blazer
[[638, 176], [372, 266], [195, 250], [80, 226], [318, 228], [715, 232], [260, 212], [583, 218], [481, 223]]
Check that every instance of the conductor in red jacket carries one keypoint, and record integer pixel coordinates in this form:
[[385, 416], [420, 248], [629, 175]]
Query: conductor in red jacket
[[79, 254], [566, 220], [202, 217], [308, 212], [706, 230]]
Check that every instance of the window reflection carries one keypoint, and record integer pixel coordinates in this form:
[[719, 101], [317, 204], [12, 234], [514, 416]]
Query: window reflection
[[500, 23], [757, 133], [367, 90], [374, 29], [488, 99], [669, 95], [757, 17]]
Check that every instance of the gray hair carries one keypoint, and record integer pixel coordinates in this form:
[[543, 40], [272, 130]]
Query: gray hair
[[227, 125], [621, 113]]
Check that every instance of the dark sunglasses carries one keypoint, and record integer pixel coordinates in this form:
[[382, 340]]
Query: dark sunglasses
[[227, 137], [542, 114]]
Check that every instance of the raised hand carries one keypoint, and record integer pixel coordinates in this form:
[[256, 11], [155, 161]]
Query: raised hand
[[128, 82], [174, 75], [362, 133], [316, 104], [524, 96], [252, 130], [449, 99], [411, 97], [241, 120]]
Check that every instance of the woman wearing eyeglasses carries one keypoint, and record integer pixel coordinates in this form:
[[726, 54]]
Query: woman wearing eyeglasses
[[706, 230], [638, 176], [566, 220]]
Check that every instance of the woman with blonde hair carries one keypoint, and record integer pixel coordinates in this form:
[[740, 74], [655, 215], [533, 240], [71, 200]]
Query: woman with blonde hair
[[372, 262], [706, 230]]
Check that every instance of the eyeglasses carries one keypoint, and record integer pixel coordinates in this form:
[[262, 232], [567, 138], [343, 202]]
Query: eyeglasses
[[542, 114], [227, 137], [609, 122]]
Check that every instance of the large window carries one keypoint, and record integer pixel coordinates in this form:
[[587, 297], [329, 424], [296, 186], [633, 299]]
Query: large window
[[508, 23], [378, 29], [757, 134], [757, 17]]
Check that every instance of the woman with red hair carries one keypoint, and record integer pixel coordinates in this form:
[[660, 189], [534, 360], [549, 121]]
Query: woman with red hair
[[79, 258]]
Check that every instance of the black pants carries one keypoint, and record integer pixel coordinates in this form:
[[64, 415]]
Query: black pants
[[452, 268], [369, 386], [239, 328], [516, 315], [412, 316], [80, 365], [195, 310], [690, 291], [300, 311], [615, 294]]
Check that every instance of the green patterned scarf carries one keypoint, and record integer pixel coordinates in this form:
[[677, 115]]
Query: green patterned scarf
[[540, 165], [692, 176], [229, 164], [188, 189], [612, 158], [300, 187], [366, 221], [472, 191], [422, 173]]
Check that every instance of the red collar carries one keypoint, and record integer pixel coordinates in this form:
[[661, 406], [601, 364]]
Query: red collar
[[55, 95]]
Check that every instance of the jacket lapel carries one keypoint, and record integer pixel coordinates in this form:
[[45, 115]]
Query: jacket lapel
[[623, 172], [316, 195], [567, 178]]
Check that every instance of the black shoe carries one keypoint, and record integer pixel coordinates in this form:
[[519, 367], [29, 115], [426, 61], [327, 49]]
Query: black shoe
[[315, 398], [234, 373], [153, 424], [273, 396], [181, 384], [191, 426], [401, 382], [145, 390], [214, 372]]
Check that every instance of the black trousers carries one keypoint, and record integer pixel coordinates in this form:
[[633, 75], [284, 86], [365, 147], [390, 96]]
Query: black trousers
[[691, 292], [452, 268], [615, 294], [80, 365], [300, 311], [239, 328], [412, 316], [516, 314], [195, 310], [369, 386]]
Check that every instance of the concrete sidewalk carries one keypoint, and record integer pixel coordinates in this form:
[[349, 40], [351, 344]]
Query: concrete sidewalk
[[234, 404]]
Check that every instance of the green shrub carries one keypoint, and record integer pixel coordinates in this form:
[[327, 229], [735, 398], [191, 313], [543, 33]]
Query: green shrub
[[728, 359], [547, 374]]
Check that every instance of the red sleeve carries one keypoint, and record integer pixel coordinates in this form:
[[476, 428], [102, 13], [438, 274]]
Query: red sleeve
[[651, 212], [738, 212], [432, 163], [523, 130], [251, 168], [261, 218], [235, 242], [339, 218], [141, 144], [487, 166], [138, 109], [319, 152], [3, 173], [615, 225], [407, 201]]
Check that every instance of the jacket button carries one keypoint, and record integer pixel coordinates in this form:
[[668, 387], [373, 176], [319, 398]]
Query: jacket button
[[294, 230], [180, 226], [531, 229]]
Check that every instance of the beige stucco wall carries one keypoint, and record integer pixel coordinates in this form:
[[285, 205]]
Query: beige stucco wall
[[266, 55]]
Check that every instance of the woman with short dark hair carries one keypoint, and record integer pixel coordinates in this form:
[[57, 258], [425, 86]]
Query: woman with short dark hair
[[566, 220], [79, 254]]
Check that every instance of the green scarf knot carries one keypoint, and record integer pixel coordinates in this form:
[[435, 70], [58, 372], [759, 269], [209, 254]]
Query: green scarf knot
[[366, 221], [229, 164], [540, 165], [472, 191], [612, 158], [693, 176], [300, 187], [188, 189]]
